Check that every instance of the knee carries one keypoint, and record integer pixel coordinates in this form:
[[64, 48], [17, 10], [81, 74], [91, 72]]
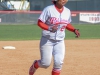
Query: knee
[[45, 64], [58, 64]]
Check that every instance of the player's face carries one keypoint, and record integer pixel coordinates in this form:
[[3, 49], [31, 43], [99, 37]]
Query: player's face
[[62, 2]]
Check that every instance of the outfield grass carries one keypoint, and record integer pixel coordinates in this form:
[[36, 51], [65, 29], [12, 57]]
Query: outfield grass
[[33, 32], [86, 31]]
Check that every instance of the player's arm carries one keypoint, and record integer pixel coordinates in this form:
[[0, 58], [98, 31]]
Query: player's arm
[[42, 25], [72, 29], [46, 27]]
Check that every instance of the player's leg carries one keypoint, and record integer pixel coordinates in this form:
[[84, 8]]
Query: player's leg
[[46, 48], [58, 54]]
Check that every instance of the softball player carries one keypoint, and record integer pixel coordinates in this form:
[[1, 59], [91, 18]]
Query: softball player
[[53, 20]]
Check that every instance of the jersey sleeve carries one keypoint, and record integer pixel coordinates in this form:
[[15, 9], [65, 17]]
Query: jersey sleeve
[[44, 15]]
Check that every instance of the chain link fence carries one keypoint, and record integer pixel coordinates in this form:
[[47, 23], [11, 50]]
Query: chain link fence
[[18, 17], [31, 17]]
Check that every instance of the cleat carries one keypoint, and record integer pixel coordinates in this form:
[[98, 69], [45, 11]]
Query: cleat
[[32, 68]]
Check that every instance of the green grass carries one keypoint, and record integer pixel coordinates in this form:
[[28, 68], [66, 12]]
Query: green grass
[[87, 32], [33, 32], [19, 32]]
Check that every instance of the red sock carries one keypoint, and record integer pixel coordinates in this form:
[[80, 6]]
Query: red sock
[[55, 72], [36, 65]]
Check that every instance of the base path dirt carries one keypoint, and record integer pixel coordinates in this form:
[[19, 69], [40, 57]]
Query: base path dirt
[[82, 58]]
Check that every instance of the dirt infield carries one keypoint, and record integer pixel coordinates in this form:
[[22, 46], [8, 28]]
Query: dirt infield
[[82, 58]]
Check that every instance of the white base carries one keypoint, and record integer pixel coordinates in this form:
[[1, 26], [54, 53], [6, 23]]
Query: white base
[[9, 47]]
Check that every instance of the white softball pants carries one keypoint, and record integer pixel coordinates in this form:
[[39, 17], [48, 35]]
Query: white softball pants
[[49, 48]]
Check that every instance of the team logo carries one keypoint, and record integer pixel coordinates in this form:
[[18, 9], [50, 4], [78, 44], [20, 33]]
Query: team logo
[[54, 20]]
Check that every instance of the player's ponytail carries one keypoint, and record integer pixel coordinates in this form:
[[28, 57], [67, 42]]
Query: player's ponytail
[[54, 2]]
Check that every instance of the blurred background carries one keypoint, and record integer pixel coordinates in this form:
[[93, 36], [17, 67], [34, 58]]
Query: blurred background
[[38, 5], [23, 15], [28, 11]]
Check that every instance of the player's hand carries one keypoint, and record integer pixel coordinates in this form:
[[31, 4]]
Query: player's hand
[[53, 28], [76, 31]]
